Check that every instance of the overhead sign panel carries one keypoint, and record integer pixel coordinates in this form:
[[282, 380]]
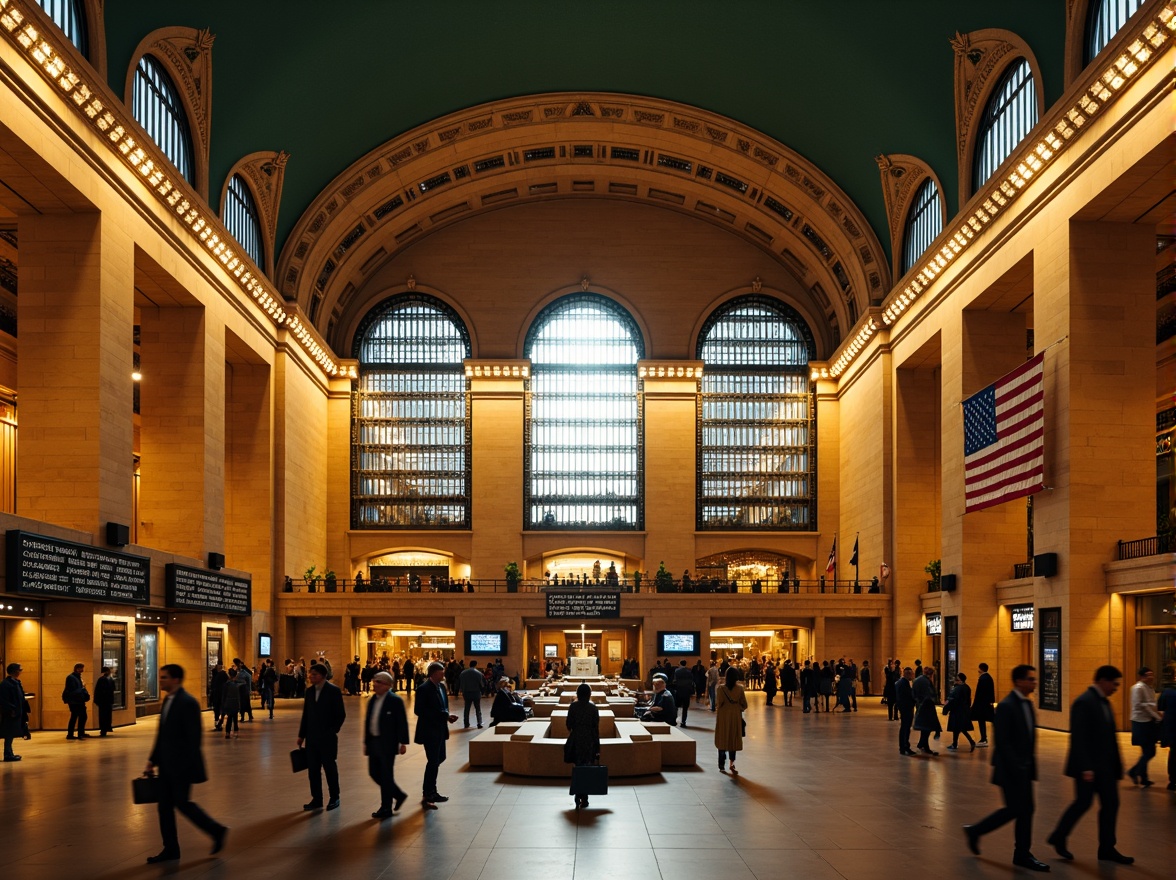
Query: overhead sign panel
[[42, 566]]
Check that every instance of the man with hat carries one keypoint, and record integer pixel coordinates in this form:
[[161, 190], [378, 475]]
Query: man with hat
[[385, 735]]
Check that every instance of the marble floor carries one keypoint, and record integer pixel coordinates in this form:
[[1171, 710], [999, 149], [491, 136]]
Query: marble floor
[[820, 797]]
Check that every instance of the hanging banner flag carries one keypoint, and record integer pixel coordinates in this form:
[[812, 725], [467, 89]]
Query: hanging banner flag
[[884, 573], [853, 559], [832, 563], [1004, 438]]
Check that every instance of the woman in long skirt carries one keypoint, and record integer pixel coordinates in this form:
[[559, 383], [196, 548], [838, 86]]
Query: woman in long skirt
[[731, 701]]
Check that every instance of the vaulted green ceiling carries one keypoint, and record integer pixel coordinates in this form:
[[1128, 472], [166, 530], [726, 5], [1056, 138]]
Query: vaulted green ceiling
[[839, 82]]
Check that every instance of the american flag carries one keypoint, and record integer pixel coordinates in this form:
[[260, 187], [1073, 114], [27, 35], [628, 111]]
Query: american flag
[[1004, 434]]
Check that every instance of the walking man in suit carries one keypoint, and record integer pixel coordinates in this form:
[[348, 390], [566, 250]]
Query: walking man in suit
[[12, 710], [76, 696], [1014, 769], [322, 717], [385, 735], [982, 701], [683, 689], [1095, 765], [904, 704], [471, 682], [432, 729], [177, 756], [104, 700]]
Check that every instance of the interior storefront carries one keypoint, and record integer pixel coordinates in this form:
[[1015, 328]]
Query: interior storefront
[[611, 642]]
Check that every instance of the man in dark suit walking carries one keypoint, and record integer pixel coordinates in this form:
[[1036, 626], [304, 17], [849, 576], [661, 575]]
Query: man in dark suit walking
[[104, 700], [322, 717], [471, 682], [75, 695], [904, 704], [1095, 765], [385, 735], [13, 710], [683, 689], [177, 756], [432, 729], [982, 701], [1014, 769]]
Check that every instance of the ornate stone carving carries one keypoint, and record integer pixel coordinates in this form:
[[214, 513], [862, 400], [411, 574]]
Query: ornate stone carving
[[265, 172], [901, 176]]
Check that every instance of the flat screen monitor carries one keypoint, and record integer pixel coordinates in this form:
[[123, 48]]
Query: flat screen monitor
[[669, 643], [264, 644], [485, 643]]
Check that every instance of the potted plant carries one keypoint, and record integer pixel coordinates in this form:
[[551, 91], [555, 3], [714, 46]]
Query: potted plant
[[638, 574], [663, 579], [329, 578], [512, 577], [312, 579], [934, 569]]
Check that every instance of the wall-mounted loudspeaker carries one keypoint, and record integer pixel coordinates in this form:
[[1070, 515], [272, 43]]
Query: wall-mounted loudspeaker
[[1045, 565], [947, 583], [117, 534], [216, 561]]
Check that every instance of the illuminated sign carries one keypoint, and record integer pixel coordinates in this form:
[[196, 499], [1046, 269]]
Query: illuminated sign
[[1022, 617], [934, 624]]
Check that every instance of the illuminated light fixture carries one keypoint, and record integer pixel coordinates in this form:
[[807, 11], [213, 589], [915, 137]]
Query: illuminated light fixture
[[136, 376]]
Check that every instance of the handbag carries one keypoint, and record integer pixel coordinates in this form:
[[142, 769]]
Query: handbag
[[146, 789], [298, 761], [743, 721], [589, 779]]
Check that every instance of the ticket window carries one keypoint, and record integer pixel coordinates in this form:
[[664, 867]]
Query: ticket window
[[114, 657], [147, 664]]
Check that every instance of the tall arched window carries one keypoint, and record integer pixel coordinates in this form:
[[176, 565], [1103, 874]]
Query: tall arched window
[[757, 437], [241, 218], [923, 225], [70, 16], [157, 107], [410, 438], [1010, 114], [583, 438], [1103, 20]]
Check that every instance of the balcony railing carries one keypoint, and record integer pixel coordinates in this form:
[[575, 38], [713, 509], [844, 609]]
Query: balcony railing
[[1147, 547], [540, 585], [1022, 570]]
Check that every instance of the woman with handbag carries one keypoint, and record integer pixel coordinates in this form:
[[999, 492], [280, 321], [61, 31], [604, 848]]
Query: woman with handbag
[[730, 702], [958, 709], [583, 743]]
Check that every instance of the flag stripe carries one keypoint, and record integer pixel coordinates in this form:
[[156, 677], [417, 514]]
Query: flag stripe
[[1004, 427]]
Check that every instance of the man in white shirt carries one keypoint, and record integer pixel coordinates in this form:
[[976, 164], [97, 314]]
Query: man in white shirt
[[385, 735], [1145, 727]]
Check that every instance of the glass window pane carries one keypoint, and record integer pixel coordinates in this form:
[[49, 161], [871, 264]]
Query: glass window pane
[[156, 106], [756, 426], [923, 225], [70, 16], [1105, 19], [583, 435], [1010, 114], [241, 218], [410, 461]]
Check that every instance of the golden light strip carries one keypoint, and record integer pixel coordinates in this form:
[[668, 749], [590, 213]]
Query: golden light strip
[[1030, 163], [490, 370], [155, 171], [669, 371]]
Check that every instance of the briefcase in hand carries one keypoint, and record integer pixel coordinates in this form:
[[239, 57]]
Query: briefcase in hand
[[146, 789], [589, 779], [298, 761]]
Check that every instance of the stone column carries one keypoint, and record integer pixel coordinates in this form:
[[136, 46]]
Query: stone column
[[496, 425], [182, 404], [76, 313], [671, 461], [1095, 292]]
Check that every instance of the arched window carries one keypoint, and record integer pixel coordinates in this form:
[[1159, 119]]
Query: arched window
[[1103, 20], [410, 438], [1010, 114], [757, 437], [583, 433], [240, 215], [923, 225], [70, 16], [157, 107]]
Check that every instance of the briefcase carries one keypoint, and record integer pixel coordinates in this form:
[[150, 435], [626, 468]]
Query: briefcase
[[589, 779], [298, 761], [146, 789]]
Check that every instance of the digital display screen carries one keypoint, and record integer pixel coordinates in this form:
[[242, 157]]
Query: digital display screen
[[1022, 618], [550, 651], [492, 642], [264, 644], [678, 643]]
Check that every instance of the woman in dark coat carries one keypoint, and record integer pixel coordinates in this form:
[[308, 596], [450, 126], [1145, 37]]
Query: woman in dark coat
[[825, 683], [583, 744], [888, 691], [788, 681], [216, 690], [770, 681], [959, 709], [982, 700]]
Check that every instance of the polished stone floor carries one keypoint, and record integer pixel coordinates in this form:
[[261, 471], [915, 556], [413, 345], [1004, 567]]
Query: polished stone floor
[[820, 797]]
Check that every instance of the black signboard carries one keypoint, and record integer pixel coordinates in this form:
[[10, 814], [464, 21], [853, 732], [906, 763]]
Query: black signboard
[[934, 624], [1050, 661], [44, 566], [201, 590], [583, 604]]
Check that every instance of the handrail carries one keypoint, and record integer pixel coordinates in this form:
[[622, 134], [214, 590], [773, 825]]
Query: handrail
[[1142, 547], [541, 585]]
